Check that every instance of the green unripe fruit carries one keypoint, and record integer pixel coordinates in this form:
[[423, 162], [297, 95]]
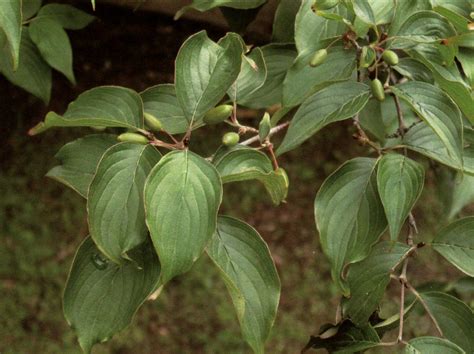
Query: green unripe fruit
[[318, 58], [152, 122], [230, 139], [264, 127], [390, 57], [324, 4], [218, 114], [377, 89], [99, 128], [133, 138], [367, 57]]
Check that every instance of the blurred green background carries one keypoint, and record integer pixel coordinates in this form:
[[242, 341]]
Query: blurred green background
[[42, 222]]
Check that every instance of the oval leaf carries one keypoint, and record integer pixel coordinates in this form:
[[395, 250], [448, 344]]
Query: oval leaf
[[400, 182], [245, 164], [53, 43], [79, 160], [245, 263], [182, 196], [115, 208], [349, 215], [334, 103], [456, 243], [161, 102], [110, 106], [101, 298], [432, 345], [454, 317], [204, 72], [438, 111], [368, 279]]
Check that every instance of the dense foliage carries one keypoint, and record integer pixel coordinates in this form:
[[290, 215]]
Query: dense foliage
[[402, 71]]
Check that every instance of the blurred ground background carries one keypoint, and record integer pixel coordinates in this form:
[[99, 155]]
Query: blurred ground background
[[42, 222]]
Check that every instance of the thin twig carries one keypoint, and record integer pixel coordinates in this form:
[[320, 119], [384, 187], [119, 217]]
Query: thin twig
[[402, 128], [425, 305], [273, 131]]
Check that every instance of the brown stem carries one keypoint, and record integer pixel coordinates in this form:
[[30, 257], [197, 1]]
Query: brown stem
[[273, 131], [272, 154]]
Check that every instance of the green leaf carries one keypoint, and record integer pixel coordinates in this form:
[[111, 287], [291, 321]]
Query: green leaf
[[404, 9], [245, 263], [368, 279], [432, 345], [466, 58], [383, 10], [284, 21], [334, 103], [206, 5], [349, 215], [455, 242], [460, 23], [101, 298], [438, 111], [278, 58], [182, 196], [414, 70], [109, 106], [68, 16], [463, 193], [461, 7], [53, 43], [244, 164], [393, 321], [344, 338], [363, 10], [454, 317], [422, 27], [204, 72], [116, 214], [422, 139], [252, 76], [400, 182], [448, 78], [79, 160], [303, 80], [160, 101], [33, 74], [10, 23], [29, 8]]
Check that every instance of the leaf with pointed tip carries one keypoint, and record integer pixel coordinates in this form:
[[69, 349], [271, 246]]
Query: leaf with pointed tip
[[245, 263], [252, 76], [455, 242], [109, 106], [53, 43], [182, 196], [400, 182], [115, 208], [368, 279], [10, 23], [161, 102], [79, 160], [438, 111], [349, 215], [454, 317], [278, 58], [33, 73], [204, 72], [422, 27], [447, 77], [432, 345], [334, 103], [68, 16], [404, 9], [101, 298], [465, 57], [245, 164], [206, 5]]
